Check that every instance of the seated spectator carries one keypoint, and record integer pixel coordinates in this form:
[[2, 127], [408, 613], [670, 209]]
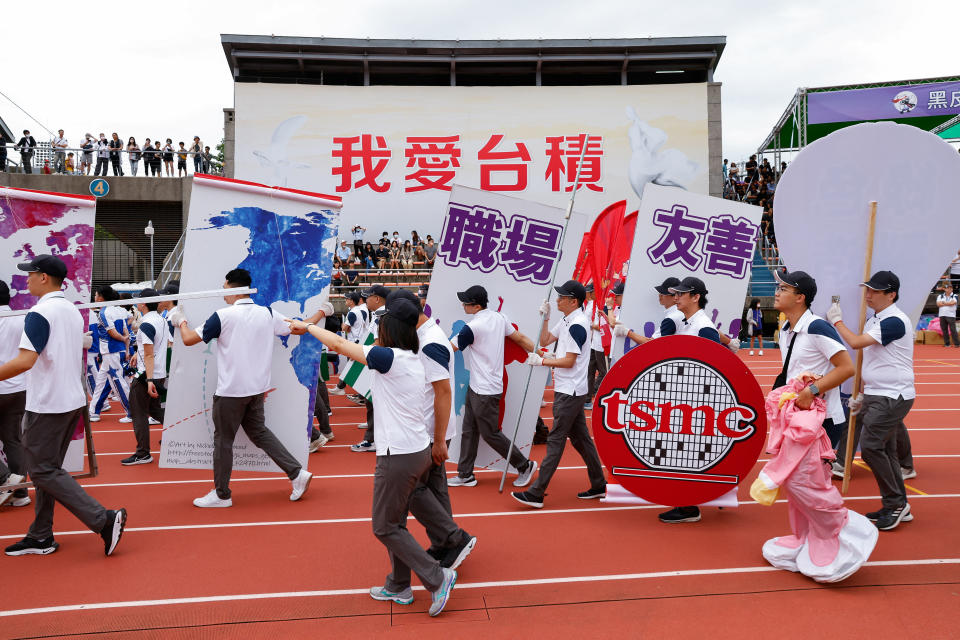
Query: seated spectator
[[343, 251], [406, 255], [415, 238], [418, 254], [338, 276], [430, 252], [385, 239], [352, 274], [394, 255], [383, 256]]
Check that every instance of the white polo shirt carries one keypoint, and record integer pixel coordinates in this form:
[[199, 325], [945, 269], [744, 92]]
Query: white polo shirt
[[153, 330], [399, 396], [817, 342], [699, 324], [357, 321], [949, 311], [245, 337], [54, 330], [596, 337], [571, 332], [888, 365], [672, 319], [481, 341], [436, 356], [10, 331]]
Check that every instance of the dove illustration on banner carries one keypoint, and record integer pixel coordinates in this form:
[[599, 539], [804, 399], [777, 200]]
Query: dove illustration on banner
[[275, 157], [669, 167]]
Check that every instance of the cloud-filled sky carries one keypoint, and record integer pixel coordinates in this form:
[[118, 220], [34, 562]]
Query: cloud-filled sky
[[158, 69]]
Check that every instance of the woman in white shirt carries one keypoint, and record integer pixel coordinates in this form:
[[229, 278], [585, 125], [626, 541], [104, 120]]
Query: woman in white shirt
[[403, 446]]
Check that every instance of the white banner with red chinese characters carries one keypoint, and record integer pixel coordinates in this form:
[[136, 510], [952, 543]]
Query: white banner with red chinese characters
[[508, 246], [683, 234], [393, 153]]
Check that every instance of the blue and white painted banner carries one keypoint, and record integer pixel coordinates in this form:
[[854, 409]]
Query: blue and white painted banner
[[285, 239], [684, 234], [508, 246]]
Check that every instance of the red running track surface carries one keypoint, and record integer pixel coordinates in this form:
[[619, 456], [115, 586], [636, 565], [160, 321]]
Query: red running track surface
[[272, 568]]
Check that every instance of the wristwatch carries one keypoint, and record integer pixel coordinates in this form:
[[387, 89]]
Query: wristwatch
[[814, 389]]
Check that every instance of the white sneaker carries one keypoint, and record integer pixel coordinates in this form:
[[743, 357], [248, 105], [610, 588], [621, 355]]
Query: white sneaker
[[836, 469], [106, 406], [95, 418], [12, 479], [760, 353], [125, 420], [316, 444], [908, 473], [337, 391], [212, 500], [152, 421], [524, 478], [300, 484], [20, 502], [751, 352], [457, 481]]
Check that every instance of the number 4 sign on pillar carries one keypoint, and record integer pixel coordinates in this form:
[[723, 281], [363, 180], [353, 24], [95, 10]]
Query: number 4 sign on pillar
[[99, 187]]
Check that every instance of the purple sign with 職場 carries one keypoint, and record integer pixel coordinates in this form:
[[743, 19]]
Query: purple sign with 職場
[[884, 103]]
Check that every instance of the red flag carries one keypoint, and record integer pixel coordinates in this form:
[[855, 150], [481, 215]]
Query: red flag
[[581, 273], [604, 238], [621, 253]]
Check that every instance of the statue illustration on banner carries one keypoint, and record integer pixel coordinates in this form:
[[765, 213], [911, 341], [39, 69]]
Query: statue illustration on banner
[[285, 239]]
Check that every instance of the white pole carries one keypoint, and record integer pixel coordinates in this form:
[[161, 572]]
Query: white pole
[[213, 293]]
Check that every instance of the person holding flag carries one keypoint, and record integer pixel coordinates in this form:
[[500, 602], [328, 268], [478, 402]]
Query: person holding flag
[[570, 364], [888, 394]]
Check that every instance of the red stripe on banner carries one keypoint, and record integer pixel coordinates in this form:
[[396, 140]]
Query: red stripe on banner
[[312, 194], [674, 475], [73, 196]]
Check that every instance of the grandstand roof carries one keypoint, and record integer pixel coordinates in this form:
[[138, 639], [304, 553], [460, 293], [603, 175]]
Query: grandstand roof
[[363, 62]]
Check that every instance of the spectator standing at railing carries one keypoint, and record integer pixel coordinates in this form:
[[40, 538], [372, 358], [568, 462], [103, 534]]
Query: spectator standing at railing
[[147, 155], [168, 158], [25, 146], [182, 161], [71, 167], [207, 160], [86, 160], [157, 159], [116, 145], [133, 154], [59, 145], [103, 156], [197, 149]]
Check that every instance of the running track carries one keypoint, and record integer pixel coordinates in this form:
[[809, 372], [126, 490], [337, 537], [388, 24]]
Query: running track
[[272, 568]]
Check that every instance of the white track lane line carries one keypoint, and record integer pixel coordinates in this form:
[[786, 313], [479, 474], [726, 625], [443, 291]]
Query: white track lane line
[[489, 514], [460, 585]]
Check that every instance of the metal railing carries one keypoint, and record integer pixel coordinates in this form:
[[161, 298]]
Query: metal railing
[[45, 154]]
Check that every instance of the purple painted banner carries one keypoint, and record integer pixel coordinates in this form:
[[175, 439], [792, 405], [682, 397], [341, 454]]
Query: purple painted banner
[[884, 103]]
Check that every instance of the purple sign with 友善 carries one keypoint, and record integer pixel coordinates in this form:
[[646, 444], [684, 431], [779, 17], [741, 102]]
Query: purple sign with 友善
[[884, 103]]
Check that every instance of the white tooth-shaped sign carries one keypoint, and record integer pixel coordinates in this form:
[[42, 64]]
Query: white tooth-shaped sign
[[822, 208]]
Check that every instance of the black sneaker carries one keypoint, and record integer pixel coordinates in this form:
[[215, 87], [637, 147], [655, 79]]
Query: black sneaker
[[454, 557], [589, 494], [873, 516], [29, 546], [680, 514], [135, 459], [437, 554], [890, 519], [527, 498], [113, 529]]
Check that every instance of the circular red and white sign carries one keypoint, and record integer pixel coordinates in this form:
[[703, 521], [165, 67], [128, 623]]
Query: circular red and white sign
[[679, 421]]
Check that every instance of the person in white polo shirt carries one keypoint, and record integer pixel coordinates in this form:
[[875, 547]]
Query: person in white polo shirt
[[244, 332], [598, 359], [888, 394], [809, 344], [482, 343], [570, 393], [152, 336], [354, 328], [672, 317], [13, 398], [374, 298], [51, 350], [404, 452], [947, 310]]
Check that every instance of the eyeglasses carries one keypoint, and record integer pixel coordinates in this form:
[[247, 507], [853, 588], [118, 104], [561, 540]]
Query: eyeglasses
[[784, 289]]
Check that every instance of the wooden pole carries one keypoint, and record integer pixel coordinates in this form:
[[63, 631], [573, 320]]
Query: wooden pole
[[852, 425]]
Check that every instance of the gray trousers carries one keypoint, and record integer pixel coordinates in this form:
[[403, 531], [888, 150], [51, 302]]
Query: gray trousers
[[394, 480], [569, 422], [480, 417], [430, 505], [229, 414], [368, 434], [882, 419], [904, 448], [11, 415], [46, 437], [596, 370], [321, 410], [142, 408]]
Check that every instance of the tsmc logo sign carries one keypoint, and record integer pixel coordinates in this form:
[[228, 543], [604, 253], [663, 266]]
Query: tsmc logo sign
[[680, 421]]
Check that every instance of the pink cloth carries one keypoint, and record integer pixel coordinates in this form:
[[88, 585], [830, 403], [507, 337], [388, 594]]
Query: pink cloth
[[800, 446]]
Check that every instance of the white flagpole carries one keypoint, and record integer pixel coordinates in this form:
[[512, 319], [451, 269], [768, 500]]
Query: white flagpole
[[213, 293], [553, 276]]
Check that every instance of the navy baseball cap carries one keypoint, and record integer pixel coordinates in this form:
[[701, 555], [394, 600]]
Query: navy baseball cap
[[572, 289], [353, 296], [690, 285], [147, 293], [377, 290], [402, 294], [403, 310], [474, 295], [669, 283], [799, 280], [883, 281], [45, 263]]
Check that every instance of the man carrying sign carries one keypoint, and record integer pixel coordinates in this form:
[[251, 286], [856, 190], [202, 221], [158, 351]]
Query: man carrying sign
[[671, 320]]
